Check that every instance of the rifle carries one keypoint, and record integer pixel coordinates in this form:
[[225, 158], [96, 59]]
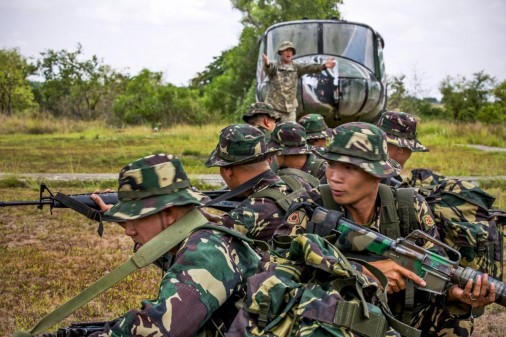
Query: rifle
[[83, 204], [436, 270], [81, 329]]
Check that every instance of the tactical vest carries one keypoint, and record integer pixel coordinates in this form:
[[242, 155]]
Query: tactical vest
[[282, 200], [310, 179]]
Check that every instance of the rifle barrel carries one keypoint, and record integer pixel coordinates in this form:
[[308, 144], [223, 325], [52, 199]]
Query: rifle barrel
[[462, 275]]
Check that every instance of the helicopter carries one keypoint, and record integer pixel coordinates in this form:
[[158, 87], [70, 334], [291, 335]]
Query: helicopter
[[354, 90]]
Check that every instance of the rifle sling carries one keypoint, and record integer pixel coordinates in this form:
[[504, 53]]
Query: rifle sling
[[148, 253], [248, 185], [85, 210]]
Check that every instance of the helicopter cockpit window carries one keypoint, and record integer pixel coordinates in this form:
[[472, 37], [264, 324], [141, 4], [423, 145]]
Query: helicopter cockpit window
[[351, 41], [304, 38]]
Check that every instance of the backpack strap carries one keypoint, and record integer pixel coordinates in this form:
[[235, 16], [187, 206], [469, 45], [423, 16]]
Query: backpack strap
[[316, 166], [311, 179], [326, 195], [389, 217], [406, 210], [282, 200]]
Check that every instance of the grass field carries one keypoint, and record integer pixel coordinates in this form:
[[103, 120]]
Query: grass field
[[48, 259]]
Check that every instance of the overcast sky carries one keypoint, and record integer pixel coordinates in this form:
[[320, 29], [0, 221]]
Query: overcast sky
[[432, 38]]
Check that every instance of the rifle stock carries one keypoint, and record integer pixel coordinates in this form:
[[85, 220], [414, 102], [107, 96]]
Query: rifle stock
[[436, 270]]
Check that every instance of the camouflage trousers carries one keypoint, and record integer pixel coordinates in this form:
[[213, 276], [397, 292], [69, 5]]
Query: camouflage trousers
[[286, 116], [436, 321]]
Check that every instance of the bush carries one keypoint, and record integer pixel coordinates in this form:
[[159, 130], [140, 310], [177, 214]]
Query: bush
[[491, 114]]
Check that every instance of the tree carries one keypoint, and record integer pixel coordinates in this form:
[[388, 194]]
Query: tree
[[15, 90], [74, 87], [228, 81]]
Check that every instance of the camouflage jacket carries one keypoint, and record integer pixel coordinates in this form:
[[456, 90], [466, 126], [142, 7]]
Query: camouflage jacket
[[453, 315], [258, 218], [283, 79], [209, 270]]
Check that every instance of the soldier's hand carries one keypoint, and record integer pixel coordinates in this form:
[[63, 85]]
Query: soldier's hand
[[266, 59], [481, 295], [103, 206], [396, 275]]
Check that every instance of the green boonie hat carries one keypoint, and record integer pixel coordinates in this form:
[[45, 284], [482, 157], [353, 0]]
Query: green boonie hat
[[239, 144], [289, 138], [286, 45], [151, 184], [315, 126], [363, 145], [260, 108], [400, 128]]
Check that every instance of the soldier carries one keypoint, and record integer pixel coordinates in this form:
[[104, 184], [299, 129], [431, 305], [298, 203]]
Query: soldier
[[283, 76], [244, 162], [358, 159], [154, 194], [400, 129], [263, 116], [289, 138], [317, 130]]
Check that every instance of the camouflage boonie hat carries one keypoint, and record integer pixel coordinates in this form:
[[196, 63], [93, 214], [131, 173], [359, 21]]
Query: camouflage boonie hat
[[289, 138], [151, 184], [260, 108], [315, 126], [239, 144], [286, 45], [400, 128], [363, 145]]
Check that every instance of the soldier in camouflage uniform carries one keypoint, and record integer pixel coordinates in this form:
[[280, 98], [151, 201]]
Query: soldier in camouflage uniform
[[283, 77], [317, 130], [358, 159], [244, 162], [289, 138], [263, 116], [154, 193]]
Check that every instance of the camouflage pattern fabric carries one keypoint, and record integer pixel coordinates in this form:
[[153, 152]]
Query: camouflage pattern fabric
[[400, 128], [258, 218], [209, 269], [289, 138], [450, 315], [315, 126], [286, 299], [286, 45], [313, 160], [260, 108], [464, 218], [152, 184], [239, 144], [283, 79]]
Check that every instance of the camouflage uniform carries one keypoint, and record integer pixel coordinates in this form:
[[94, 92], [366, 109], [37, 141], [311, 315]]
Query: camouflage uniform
[[283, 83], [195, 286], [260, 108], [315, 126], [290, 139], [400, 129], [364, 145], [258, 218]]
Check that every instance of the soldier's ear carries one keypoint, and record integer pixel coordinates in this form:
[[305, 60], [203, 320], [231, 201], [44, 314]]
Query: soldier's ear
[[227, 171]]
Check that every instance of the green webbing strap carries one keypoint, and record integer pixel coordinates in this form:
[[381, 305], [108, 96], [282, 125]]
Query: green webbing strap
[[316, 167], [389, 217], [349, 315], [407, 214], [311, 180], [147, 254], [326, 194], [283, 201]]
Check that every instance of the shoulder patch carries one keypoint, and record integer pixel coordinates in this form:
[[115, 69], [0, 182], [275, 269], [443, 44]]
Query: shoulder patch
[[294, 218], [428, 220]]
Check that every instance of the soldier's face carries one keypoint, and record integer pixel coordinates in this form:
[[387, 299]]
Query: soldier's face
[[350, 185], [143, 230], [286, 55], [399, 154]]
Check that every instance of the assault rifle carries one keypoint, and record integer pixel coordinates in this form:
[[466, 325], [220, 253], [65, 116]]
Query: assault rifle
[[81, 329], [83, 204], [436, 270]]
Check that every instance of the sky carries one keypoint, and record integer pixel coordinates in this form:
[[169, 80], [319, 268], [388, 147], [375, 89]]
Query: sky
[[427, 39]]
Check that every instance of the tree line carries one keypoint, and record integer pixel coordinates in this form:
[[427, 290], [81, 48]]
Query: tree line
[[72, 86]]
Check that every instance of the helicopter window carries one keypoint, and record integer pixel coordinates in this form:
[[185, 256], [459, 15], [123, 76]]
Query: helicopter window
[[351, 41], [304, 38]]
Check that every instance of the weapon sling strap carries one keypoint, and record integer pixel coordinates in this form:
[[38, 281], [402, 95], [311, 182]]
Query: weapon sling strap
[[148, 253], [312, 180], [239, 189]]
